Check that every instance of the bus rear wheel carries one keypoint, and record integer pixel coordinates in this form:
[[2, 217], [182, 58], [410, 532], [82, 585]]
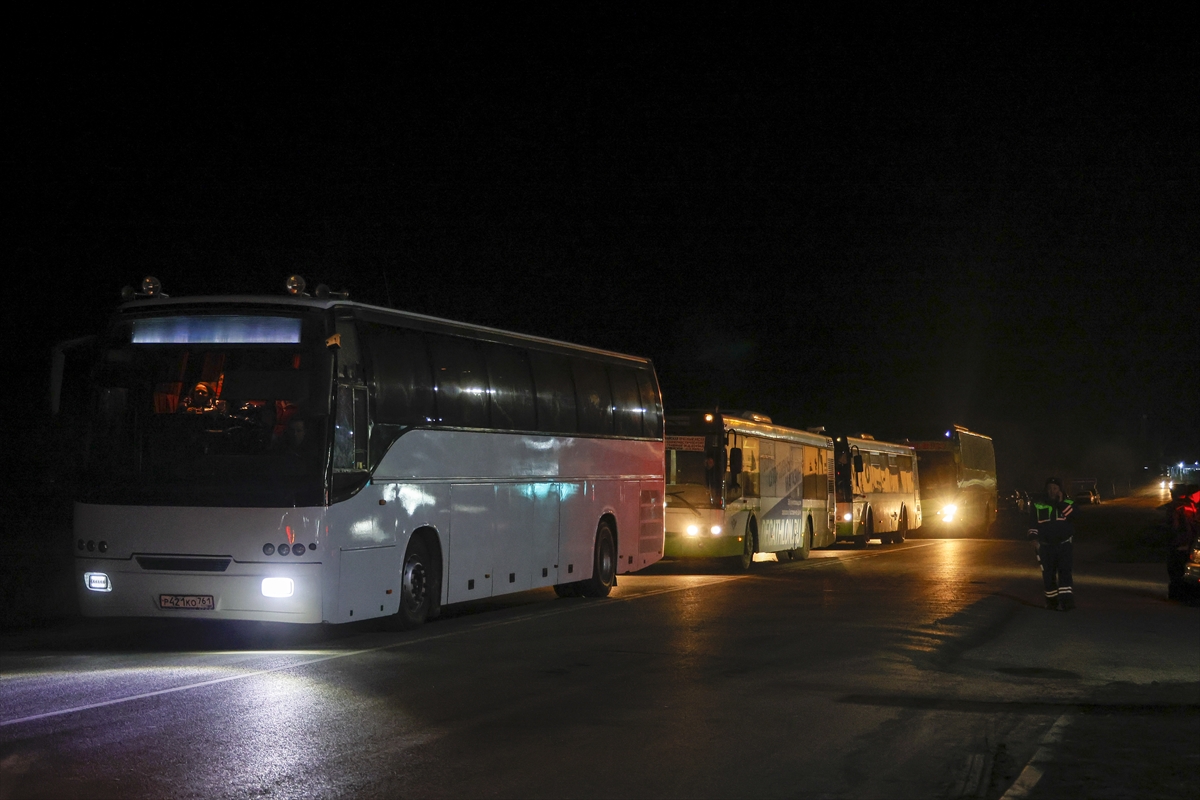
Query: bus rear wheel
[[604, 566], [902, 531], [416, 586]]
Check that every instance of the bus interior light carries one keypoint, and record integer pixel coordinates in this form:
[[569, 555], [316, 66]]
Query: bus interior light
[[278, 587], [97, 582]]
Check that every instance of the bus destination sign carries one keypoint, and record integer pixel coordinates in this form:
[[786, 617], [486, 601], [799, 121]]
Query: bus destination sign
[[690, 444]]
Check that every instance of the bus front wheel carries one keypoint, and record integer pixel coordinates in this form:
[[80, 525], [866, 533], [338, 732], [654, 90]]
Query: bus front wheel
[[861, 540], [806, 540], [604, 566], [416, 586]]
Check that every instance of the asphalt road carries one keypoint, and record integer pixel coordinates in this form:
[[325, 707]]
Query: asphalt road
[[927, 669]]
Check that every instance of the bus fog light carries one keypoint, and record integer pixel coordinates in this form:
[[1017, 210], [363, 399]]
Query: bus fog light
[[715, 530], [693, 530], [97, 582], [278, 587]]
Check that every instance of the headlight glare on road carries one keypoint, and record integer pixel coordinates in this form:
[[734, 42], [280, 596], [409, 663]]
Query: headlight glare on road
[[715, 530], [278, 587], [97, 582], [693, 530]]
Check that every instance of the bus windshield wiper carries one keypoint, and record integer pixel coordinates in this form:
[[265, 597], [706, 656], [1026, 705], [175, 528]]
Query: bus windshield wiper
[[683, 499]]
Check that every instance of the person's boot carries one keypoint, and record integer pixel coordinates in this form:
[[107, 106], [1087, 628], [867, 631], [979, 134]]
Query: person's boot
[[1067, 602], [1052, 603]]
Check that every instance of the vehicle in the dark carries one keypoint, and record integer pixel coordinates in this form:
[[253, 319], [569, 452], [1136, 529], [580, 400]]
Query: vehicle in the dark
[[1084, 492]]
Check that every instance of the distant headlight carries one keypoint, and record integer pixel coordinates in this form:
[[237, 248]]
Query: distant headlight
[[715, 530], [278, 587], [693, 530]]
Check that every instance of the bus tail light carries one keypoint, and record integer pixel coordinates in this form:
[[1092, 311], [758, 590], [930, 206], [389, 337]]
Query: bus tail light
[[97, 582], [278, 587]]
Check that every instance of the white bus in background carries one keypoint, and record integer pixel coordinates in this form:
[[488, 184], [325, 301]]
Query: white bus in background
[[878, 493], [958, 481], [307, 459], [738, 485]]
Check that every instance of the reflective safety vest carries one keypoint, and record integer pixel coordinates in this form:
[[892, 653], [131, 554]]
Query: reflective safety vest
[[1054, 521]]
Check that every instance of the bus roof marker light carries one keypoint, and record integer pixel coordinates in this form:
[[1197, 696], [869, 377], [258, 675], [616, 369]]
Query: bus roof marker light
[[278, 587], [295, 285], [152, 287]]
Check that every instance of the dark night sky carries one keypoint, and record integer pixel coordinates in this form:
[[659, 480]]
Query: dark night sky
[[885, 224]]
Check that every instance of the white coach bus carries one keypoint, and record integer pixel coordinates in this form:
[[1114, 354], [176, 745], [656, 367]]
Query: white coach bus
[[738, 485], [878, 493], [309, 459]]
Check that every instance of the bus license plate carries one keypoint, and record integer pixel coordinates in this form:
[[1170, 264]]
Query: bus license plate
[[199, 602]]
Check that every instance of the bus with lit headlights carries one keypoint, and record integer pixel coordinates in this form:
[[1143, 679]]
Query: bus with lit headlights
[[878, 492], [958, 482], [311, 459], [739, 487]]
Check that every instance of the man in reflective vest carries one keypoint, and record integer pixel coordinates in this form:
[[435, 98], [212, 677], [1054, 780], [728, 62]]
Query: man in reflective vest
[[1050, 524]]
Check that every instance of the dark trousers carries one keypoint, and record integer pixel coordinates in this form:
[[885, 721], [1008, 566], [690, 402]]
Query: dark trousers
[[1057, 561]]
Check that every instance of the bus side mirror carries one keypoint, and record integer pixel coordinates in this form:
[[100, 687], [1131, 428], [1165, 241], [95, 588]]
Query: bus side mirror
[[735, 461], [858, 465], [70, 368]]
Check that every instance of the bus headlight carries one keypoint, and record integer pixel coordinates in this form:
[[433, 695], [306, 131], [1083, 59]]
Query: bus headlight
[[97, 582], [847, 516], [278, 587], [693, 530], [948, 513], [715, 530]]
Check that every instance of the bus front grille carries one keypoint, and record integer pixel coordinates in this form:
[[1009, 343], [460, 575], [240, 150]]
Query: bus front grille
[[184, 564]]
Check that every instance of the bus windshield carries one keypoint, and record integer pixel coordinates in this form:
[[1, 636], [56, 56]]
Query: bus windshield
[[938, 470], [211, 410]]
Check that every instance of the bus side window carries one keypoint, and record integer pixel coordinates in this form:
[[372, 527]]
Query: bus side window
[[593, 398], [627, 407], [460, 378], [767, 470], [350, 432], [403, 381], [512, 401], [651, 403], [555, 393]]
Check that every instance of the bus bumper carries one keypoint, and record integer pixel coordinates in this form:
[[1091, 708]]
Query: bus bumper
[[680, 545], [235, 594]]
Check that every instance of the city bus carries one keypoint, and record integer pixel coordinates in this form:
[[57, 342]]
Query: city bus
[[739, 485], [958, 481], [311, 459], [878, 494]]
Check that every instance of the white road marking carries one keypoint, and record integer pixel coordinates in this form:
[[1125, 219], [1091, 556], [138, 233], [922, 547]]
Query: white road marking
[[698, 584], [350, 653], [1034, 770]]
